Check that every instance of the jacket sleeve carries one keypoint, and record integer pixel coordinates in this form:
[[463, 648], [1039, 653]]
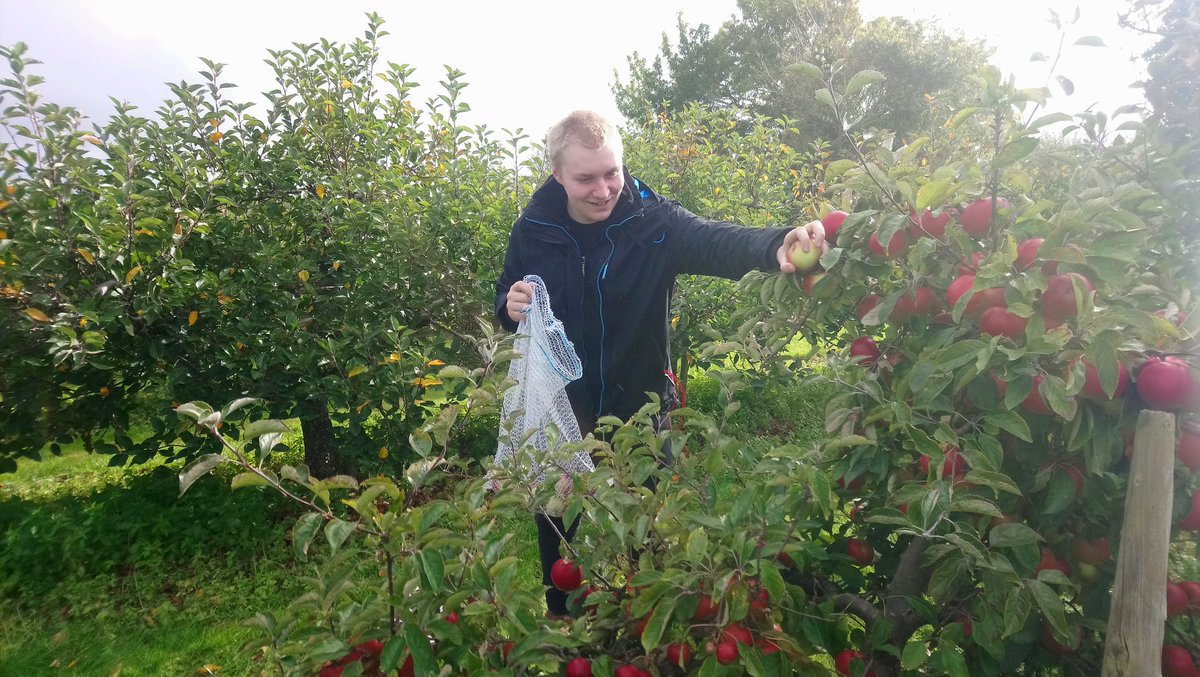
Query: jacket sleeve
[[510, 274], [718, 248]]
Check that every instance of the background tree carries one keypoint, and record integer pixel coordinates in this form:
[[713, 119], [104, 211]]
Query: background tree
[[745, 65]]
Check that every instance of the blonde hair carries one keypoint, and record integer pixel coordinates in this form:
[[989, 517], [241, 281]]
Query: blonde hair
[[586, 128]]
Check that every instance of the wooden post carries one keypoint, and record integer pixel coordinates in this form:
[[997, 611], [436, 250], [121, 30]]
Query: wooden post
[[1133, 647]]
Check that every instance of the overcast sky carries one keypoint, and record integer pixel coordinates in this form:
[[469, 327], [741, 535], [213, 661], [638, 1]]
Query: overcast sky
[[527, 62]]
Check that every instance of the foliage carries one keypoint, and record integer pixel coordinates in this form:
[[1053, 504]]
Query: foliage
[[745, 66], [313, 255]]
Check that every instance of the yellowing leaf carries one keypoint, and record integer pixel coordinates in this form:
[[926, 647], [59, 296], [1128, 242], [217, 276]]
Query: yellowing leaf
[[241, 346], [435, 363], [346, 84], [208, 669], [215, 136], [329, 109], [383, 452], [393, 358], [87, 256], [3, 204], [362, 406], [94, 140], [303, 275], [320, 190], [426, 381], [178, 229], [133, 272], [36, 315], [355, 371], [10, 190], [104, 391], [337, 265], [3, 234], [192, 317], [214, 122]]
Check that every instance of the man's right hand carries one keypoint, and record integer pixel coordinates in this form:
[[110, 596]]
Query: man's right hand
[[520, 295]]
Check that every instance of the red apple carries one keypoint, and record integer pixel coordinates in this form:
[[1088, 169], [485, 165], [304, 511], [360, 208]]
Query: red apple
[[1192, 588], [867, 303], [628, 671], [928, 225], [1177, 599], [706, 611], [1033, 401], [1051, 561], [860, 551], [579, 667], [1191, 522], [1051, 322], [845, 660], [981, 300], [896, 246], [953, 462], [1164, 383], [727, 652], [976, 219], [997, 321], [1051, 642], [1027, 253], [811, 281], [1093, 551], [970, 267], [1091, 382], [864, 347], [679, 654], [406, 669], [920, 302], [1177, 662], [1188, 450], [736, 632], [1177, 319], [832, 222], [566, 575], [1059, 298]]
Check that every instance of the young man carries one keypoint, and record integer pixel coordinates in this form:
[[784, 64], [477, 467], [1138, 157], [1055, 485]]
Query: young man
[[608, 249]]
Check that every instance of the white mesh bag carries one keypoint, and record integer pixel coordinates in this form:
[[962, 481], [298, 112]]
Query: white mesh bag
[[537, 405]]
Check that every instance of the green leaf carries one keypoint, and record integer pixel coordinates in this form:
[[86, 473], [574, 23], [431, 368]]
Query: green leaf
[[1011, 422], [652, 635], [393, 653], [1051, 606], [1012, 535], [805, 69], [196, 410], [914, 654], [197, 469], [1090, 41], [421, 443], [933, 193], [418, 648], [862, 79], [433, 569], [264, 427], [237, 404], [1067, 85], [1015, 150], [304, 532], [772, 580], [962, 115], [697, 545], [336, 532], [978, 506], [826, 97], [248, 479]]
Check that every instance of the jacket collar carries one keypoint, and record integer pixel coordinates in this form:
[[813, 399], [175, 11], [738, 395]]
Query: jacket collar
[[549, 202]]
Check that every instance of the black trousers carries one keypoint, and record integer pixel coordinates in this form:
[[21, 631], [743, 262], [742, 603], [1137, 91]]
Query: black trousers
[[550, 544]]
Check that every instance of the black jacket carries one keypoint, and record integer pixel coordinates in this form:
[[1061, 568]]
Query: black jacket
[[614, 299]]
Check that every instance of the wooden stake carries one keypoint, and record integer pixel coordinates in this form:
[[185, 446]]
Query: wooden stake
[[1133, 647]]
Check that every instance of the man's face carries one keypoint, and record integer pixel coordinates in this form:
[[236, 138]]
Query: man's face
[[593, 180]]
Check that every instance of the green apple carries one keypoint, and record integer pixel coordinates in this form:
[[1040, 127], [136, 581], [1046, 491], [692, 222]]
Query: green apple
[[805, 260]]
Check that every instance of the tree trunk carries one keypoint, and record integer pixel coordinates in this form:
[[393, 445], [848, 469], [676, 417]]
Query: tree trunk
[[321, 453]]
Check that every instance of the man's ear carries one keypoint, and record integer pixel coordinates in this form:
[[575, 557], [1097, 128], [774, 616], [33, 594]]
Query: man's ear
[[557, 176]]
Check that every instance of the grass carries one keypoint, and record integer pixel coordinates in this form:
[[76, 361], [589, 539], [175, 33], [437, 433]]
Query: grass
[[107, 571]]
